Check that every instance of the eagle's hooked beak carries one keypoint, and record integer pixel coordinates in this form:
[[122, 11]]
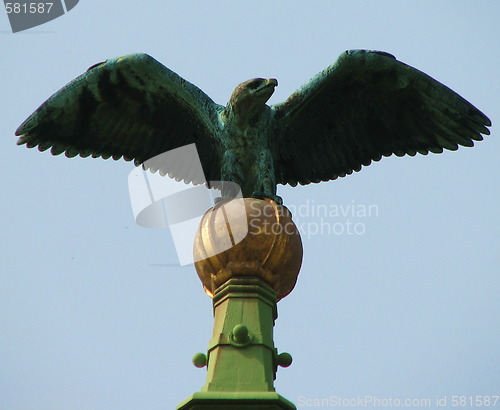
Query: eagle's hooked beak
[[249, 98], [271, 82], [266, 89]]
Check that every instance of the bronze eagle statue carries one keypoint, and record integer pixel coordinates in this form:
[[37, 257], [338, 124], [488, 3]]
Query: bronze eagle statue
[[364, 106]]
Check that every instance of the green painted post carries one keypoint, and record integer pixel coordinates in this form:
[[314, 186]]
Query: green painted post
[[242, 359]]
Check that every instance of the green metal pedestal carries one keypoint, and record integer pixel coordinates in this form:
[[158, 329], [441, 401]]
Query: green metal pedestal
[[242, 360]]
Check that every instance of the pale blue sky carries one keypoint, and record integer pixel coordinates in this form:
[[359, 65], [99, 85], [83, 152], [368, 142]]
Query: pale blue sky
[[410, 309]]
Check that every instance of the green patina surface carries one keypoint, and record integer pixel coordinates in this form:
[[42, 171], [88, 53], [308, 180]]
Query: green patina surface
[[365, 106]]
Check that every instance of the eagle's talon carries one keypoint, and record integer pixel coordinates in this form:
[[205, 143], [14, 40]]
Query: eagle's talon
[[263, 195]]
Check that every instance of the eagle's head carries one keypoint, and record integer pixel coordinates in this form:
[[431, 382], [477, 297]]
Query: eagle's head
[[249, 98]]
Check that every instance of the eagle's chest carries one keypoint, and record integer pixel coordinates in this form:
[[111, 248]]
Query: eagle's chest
[[247, 154], [246, 145]]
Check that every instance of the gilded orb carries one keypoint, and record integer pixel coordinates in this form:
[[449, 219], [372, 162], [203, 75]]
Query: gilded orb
[[248, 237]]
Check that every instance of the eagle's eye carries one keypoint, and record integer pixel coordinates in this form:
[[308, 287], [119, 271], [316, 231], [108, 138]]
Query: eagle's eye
[[253, 85]]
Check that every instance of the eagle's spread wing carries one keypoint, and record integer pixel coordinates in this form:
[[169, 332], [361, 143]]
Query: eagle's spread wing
[[129, 106], [365, 106]]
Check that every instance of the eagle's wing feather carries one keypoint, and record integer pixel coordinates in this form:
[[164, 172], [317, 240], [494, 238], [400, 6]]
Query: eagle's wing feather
[[365, 106], [129, 106]]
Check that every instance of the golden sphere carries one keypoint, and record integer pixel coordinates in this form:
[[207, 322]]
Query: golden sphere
[[248, 237]]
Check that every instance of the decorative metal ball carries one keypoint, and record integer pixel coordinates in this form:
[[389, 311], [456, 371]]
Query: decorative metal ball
[[200, 360], [248, 237], [285, 359], [240, 334]]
